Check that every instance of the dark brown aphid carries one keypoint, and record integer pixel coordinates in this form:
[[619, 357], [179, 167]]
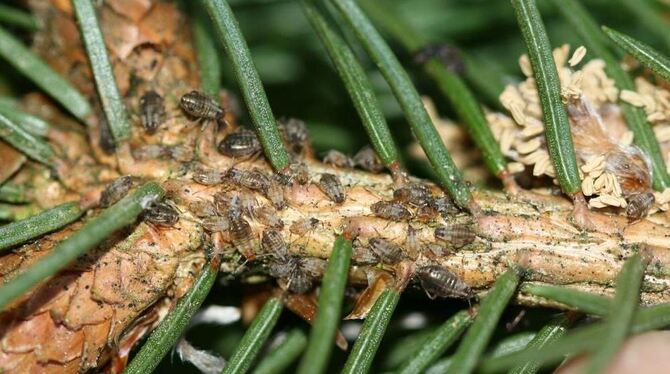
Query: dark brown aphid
[[385, 250], [426, 213], [440, 282], [291, 273], [241, 236], [368, 160], [297, 171], [314, 267], [151, 152], [253, 179], [413, 194], [331, 186], [208, 177], [362, 255], [444, 205], [115, 191], [457, 235], [257, 180], [273, 243], [304, 226], [107, 142], [295, 134], [338, 159], [448, 55], [267, 216], [162, 214], [152, 109], [639, 205], [201, 106], [241, 143], [215, 223], [390, 210]]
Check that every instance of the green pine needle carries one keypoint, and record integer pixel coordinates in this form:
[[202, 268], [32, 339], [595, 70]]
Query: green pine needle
[[441, 340], [450, 84], [648, 56], [556, 124], [37, 225], [254, 338], [90, 235], [161, 341], [618, 320], [250, 83], [103, 75], [33, 68], [364, 350], [21, 139], [478, 335], [279, 359], [357, 84], [446, 172], [322, 336], [583, 301]]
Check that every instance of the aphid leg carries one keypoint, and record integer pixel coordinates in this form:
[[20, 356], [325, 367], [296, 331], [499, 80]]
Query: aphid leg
[[378, 282]]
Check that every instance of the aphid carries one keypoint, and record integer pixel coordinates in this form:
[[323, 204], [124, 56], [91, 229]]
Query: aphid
[[115, 191], [412, 243], [331, 186], [390, 210], [201, 106], [434, 250], [181, 153], [314, 266], [291, 273], [362, 255], [440, 282], [295, 133], [414, 194], [202, 208], [151, 151], [338, 159], [253, 179], [368, 160], [152, 109], [273, 243], [449, 56], [297, 171], [458, 235], [241, 236], [208, 177], [385, 250], [426, 213], [215, 223], [107, 142], [639, 204], [267, 216], [162, 214], [241, 143], [444, 205], [304, 226]]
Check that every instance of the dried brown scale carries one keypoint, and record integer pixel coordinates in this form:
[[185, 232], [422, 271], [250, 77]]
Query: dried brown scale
[[534, 233]]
